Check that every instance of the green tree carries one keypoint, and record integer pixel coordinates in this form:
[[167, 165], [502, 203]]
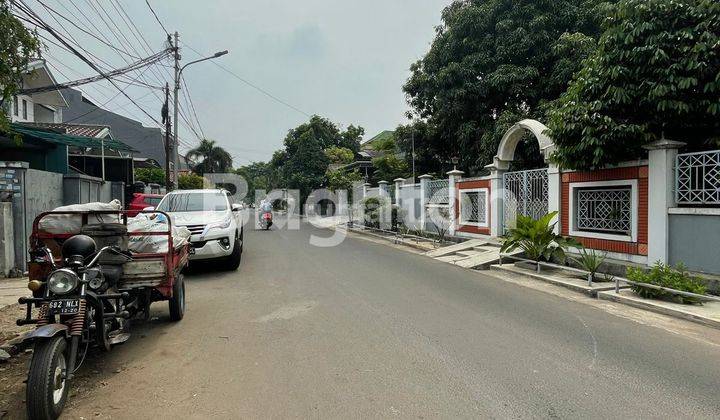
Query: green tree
[[306, 162], [390, 167], [342, 180], [339, 155], [190, 182], [215, 159], [18, 46], [303, 163], [656, 71], [327, 134], [257, 176], [150, 175], [492, 63]]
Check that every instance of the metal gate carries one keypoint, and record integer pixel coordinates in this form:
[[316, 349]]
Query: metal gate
[[526, 193]]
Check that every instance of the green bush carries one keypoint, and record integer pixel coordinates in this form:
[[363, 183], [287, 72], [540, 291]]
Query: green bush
[[371, 208], [590, 260], [190, 181], [537, 238], [666, 276], [150, 175]]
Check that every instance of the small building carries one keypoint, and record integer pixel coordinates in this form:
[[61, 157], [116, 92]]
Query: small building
[[98, 155], [37, 107]]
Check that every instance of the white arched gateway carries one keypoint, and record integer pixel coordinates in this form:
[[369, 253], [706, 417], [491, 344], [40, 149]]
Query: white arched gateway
[[523, 192]]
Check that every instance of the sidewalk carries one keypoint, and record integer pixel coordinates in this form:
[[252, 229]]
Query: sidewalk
[[11, 290]]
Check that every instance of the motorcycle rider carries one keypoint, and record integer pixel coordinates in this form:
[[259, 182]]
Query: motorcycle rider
[[265, 207]]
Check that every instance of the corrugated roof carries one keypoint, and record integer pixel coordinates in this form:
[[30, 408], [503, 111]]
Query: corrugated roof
[[81, 130], [51, 136]]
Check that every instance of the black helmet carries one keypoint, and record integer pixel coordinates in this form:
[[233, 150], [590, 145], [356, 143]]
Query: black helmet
[[82, 245]]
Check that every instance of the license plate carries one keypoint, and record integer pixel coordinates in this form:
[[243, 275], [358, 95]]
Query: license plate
[[64, 306]]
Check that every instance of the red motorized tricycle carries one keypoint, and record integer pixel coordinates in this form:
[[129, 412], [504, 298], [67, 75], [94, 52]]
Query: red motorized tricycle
[[87, 283]]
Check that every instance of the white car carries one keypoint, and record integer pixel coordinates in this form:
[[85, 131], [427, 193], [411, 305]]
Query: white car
[[215, 224]]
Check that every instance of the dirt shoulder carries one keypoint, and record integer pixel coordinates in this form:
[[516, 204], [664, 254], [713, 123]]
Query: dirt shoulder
[[14, 370]]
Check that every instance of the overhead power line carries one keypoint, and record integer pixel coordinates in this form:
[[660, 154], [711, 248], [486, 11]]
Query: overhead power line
[[53, 11], [157, 18], [252, 85], [42, 24], [134, 66]]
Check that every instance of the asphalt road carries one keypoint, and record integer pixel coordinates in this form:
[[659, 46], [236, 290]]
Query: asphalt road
[[364, 330]]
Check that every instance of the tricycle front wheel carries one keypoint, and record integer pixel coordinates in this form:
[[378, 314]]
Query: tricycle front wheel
[[47, 386], [177, 302]]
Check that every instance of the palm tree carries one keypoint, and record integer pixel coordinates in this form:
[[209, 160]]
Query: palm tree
[[214, 158]]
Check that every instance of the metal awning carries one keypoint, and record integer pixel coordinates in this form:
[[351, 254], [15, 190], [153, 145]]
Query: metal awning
[[58, 138]]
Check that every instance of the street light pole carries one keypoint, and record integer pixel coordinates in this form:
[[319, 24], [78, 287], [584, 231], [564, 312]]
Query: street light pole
[[178, 75]]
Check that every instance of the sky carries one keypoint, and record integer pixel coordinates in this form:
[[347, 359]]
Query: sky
[[345, 60]]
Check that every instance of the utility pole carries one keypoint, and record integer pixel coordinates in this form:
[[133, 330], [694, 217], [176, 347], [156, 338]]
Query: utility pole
[[412, 136], [178, 74], [176, 160], [168, 147]]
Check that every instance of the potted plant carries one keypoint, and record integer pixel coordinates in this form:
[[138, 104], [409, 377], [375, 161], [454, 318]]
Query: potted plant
[[537, 239]]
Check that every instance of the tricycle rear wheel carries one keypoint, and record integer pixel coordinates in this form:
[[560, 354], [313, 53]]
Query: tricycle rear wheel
[[177, 301]]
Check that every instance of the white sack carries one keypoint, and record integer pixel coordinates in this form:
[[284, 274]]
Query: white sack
[[153, 243], [69, 223]]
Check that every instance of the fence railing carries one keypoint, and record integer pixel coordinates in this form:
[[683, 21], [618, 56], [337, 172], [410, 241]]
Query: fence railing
[[438, 192], [616, 279], [697, 178]]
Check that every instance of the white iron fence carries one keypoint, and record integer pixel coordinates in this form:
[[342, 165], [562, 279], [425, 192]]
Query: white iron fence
[[438, 192], [697, 178]]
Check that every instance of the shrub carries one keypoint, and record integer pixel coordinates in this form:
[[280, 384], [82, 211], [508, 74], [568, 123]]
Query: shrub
[[666, 276], [590, 261], [537, 239], [371, 208], [190, 181], [150, 175]]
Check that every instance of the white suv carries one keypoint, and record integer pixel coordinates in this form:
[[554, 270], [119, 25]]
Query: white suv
[[215, 224]]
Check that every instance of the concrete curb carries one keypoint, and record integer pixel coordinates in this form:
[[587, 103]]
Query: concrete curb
[[388, 238], [591, 291], [659, 307]]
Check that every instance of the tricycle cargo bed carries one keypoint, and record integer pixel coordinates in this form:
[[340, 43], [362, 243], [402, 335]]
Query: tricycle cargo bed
[[158, 270]]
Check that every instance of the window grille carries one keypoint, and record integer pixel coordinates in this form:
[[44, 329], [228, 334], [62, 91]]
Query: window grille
[[473, 208], [604, 209], [697, 180]]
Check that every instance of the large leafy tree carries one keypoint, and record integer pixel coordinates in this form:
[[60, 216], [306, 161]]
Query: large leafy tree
[[309, 149], [342, 180], [656, 72], [326, 134], [215, 159], [390, 167], [257, 176], [339, 155], [492, 63], [18, 46]]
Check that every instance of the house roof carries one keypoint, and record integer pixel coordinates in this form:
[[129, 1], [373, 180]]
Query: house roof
[[54, 136], [81, 130], [38, 74], [382, 136], [148, 141]]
